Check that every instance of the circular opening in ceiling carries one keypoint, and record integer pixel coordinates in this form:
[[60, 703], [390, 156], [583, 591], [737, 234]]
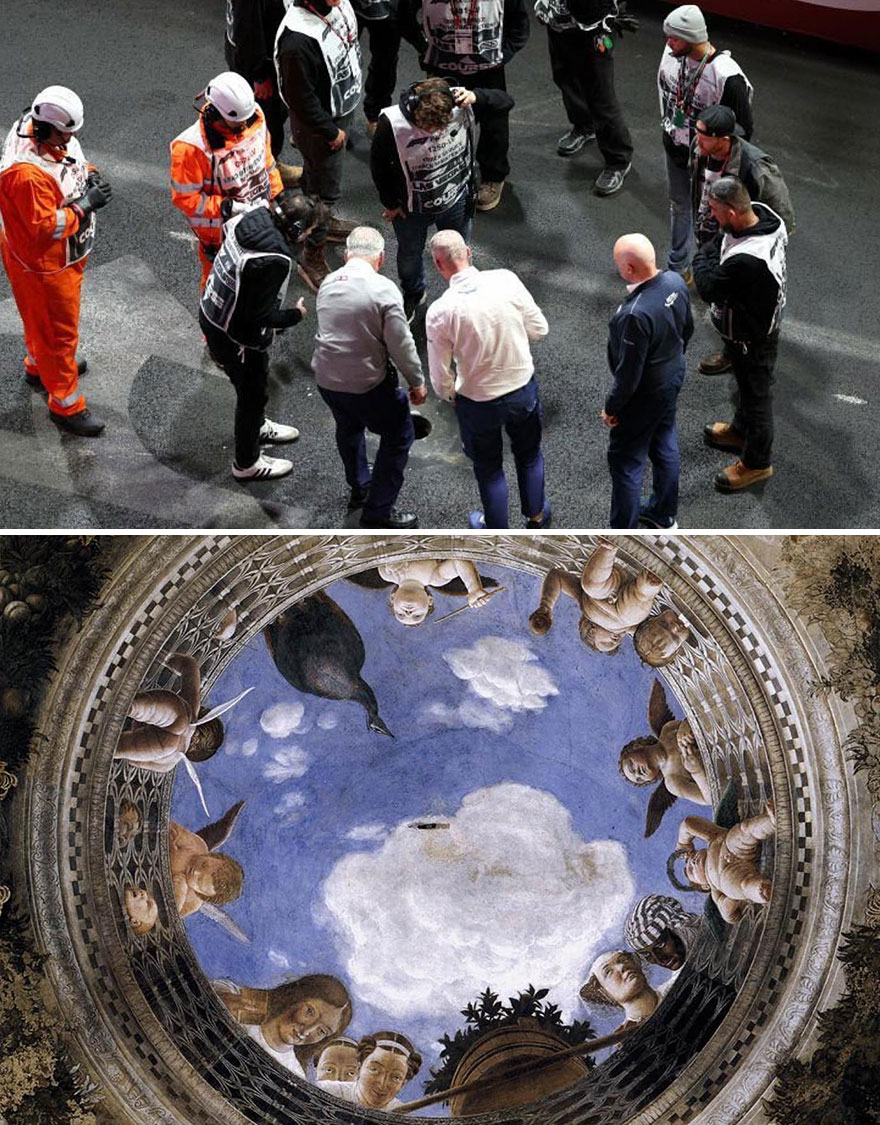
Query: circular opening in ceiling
[[332, 809], [432, 809]]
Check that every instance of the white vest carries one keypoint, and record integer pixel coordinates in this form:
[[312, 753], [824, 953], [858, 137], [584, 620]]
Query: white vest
[[467, 49], [220, 297], [770, 248], [437, 166], [238, 170], [71, 174], [673, 80], [337, 36]]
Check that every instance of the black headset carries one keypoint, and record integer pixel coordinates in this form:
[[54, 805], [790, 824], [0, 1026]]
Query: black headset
[[293, 229], [413, 97]]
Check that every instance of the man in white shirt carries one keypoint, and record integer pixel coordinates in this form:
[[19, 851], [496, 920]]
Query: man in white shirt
[[483, 324], [363, 341]]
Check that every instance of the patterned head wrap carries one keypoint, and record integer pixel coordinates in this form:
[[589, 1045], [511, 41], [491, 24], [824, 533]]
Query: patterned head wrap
[[655, 913]]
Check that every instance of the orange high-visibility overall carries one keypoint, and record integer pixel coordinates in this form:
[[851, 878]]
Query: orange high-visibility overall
[[242, 169], [44, 249]]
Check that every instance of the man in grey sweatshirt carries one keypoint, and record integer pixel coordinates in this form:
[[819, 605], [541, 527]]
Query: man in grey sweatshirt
[[363, 341]]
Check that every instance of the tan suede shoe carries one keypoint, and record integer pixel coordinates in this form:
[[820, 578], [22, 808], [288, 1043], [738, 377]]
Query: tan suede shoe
[[738, 476]]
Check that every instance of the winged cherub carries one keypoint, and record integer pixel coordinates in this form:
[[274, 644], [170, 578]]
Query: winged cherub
[[203, 877], [672, 756]]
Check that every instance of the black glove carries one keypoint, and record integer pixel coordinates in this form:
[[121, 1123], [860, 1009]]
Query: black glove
[[97, 195], [226, 210]]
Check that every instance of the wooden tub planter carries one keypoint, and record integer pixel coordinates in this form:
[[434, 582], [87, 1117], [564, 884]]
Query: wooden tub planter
[[499, 1051]]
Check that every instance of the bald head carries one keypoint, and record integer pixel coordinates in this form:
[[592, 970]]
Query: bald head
[[450, 252], [635, 258]]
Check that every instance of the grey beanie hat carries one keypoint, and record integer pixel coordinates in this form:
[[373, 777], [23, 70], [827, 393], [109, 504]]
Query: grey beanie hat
[[687, 23]]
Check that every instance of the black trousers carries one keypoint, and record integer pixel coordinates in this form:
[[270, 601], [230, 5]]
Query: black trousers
[[248, 371], [586, 80], [380, 84], [753, 366], [493, 142]]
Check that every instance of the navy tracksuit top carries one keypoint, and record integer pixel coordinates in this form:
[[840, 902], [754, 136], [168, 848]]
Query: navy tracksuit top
[[647, 338]]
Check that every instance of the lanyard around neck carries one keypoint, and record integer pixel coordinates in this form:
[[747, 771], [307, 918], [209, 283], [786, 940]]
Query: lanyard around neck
[[687, 89], [345, 40]]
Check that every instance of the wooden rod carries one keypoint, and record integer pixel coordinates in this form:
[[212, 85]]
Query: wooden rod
[[515, 1072]]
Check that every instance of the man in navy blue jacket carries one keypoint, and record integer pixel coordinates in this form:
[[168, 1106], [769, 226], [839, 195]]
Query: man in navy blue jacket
[[647, 338]]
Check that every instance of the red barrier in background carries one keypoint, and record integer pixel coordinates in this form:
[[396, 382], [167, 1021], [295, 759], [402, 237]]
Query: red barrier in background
[[854, 22]]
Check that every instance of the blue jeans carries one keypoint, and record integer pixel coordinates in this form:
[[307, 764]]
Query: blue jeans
[[646, 430], [681, 223], [481, 425], [383, 410], [412, 233]]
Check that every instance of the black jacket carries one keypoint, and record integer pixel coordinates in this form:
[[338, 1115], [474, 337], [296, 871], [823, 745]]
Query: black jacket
[[305, 83], [251, 27], [758, 171], [385, 167], [258, 310], [514, 30], [742, 288]]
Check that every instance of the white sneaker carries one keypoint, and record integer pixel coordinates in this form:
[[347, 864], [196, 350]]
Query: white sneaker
[[277, 432], [264, 468]]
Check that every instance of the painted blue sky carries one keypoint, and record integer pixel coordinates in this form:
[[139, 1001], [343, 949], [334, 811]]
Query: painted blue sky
[[307, 792]]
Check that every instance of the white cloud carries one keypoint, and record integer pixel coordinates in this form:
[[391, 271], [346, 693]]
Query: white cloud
[[290, 808], [247, 749], [360, 832], [507, 673], [284, 719], [328, 720], [278, 959], [286, 764], [509, 895], [471, 712]]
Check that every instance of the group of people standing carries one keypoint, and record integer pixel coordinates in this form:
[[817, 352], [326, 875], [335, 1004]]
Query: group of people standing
[[437, 155]]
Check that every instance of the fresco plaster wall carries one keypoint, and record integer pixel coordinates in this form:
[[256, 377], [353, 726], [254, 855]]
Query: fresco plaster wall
[[750, 662]]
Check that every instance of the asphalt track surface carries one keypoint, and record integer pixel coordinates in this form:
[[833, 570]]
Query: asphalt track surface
[[164, 460]]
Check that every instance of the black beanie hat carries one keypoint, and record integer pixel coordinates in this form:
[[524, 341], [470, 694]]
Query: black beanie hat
[[718, 120]]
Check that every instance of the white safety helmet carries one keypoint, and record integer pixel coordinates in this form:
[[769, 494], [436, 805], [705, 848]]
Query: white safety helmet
[[58, 106], [232, 96]]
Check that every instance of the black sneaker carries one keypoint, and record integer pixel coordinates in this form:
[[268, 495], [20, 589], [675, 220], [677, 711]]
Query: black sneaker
[[358, 497], [610, 180], [411, 301], [573, 141], [82, 424], [394, 521]]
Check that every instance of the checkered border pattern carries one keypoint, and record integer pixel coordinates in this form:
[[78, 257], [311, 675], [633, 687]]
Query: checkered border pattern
[[675, 554]]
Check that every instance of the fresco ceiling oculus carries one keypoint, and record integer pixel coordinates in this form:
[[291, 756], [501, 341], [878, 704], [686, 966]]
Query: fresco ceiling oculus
[[441, 823]]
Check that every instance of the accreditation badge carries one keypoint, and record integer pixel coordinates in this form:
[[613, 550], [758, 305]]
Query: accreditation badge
[[678, 117], [464, 41]]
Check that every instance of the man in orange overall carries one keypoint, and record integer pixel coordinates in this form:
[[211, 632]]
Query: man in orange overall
[[222, 162], [48, 194]]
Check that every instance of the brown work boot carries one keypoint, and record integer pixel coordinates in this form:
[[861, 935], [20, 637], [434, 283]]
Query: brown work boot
[[738, 476], [721, 435], [716, 363], [290, 174], [312, 266], [489, 195], [339, 229]]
